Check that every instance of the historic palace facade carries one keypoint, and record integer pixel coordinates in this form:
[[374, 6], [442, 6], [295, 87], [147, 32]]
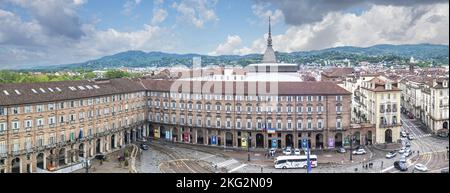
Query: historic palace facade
[[49, 126]]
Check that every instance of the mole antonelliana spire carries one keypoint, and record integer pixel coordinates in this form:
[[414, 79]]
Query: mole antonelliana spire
[[269, 55]]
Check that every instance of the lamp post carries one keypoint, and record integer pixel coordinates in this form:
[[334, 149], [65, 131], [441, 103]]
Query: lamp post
[[248, 145], [351, 139]]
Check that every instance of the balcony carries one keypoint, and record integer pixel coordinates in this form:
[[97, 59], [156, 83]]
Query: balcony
[[386, 125], [16, 152]]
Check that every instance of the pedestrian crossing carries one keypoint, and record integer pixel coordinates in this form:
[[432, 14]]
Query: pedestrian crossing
[[226, 163], [423, 135]]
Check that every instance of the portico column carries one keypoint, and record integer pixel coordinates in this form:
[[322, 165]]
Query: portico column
[[195, 136], [205, 136]]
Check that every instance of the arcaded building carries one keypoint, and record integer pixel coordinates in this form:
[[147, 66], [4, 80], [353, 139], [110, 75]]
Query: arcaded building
[[51, 126]]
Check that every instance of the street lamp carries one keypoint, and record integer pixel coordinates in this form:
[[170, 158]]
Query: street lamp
[[351, 138], [248, 145]]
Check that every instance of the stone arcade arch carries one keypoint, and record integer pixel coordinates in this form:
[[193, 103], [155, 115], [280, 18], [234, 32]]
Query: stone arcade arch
[[338, 140], [15, 165], [289, 140], [259, 140], [319, 141], [388, 136], [229, 139]]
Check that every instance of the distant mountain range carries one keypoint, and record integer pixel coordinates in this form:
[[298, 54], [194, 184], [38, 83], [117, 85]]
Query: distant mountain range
[[378, 53]]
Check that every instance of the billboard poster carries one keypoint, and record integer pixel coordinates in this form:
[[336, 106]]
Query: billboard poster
[[346, 142], [213, 140], [168, 135], [271, 130], [244, 142], [186, 137], [330, 142], [274, 143], [156, 133], [304, 143]]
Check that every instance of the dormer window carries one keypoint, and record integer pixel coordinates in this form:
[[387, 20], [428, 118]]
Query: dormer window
[[388, 86], [445, 84]]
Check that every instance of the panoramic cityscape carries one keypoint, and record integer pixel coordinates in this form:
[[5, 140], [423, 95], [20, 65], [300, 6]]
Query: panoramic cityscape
[[196, 86]]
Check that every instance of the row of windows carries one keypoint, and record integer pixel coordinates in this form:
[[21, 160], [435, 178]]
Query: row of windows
[[51, 107], [52, 139], [28, 124], [259, 122], [183, 96], [228, 108], [69, 104]]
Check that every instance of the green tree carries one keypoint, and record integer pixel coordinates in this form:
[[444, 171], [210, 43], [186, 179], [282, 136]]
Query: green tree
[[111, 74]]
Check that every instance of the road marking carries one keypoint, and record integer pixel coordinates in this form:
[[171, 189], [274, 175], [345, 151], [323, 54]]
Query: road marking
[[387, 169], [226, 163], [207, 157], [438, 170], [237, 168]]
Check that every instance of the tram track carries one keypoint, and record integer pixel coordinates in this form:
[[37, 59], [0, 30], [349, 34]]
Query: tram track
[[178, 163]]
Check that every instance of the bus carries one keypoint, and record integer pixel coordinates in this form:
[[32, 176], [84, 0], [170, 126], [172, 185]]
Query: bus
[[300, 161]]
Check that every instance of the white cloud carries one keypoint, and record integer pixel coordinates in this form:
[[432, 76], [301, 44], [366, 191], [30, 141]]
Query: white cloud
[[27, 41], [79, 2], [231, 47], [380, 24], [196, 12], [262, 11], [129, 6], [56, 17], [159, 15]]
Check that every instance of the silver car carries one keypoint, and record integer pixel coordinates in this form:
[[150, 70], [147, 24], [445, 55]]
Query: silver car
[[391, 154]]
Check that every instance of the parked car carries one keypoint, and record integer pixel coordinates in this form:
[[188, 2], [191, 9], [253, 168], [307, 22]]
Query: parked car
[[101, 157], [359, 152], [400, 166], [402, 150], [391, 154], [443, 134], [403, 159], [287, 152], [297, 151], [410, 115], [340, 150], [144, 147], [421, 167], [408, 144], [407, 153], [403, 134], [410, 137]]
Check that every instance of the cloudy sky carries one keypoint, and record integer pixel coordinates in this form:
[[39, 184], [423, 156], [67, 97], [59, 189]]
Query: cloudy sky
[[45, 32]]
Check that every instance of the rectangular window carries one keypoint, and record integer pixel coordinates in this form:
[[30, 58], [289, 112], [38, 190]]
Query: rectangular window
[[338, 123], [2, 127], [2, 111], [15, 110], [40, 108]]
